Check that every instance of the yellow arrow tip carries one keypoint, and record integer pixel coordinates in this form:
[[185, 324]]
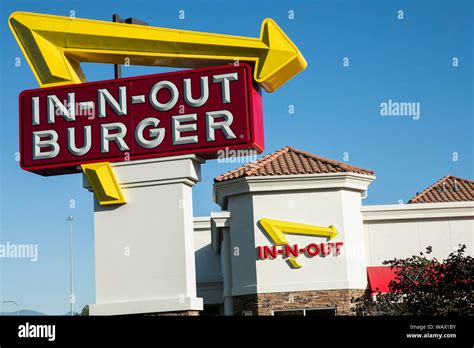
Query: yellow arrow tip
[[102, 179], [335, 232], [282, 61], [294, 262]]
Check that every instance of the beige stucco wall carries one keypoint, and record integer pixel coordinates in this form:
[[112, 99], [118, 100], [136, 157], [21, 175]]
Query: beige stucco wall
[[390, 231], [208, 263], [400, 231]]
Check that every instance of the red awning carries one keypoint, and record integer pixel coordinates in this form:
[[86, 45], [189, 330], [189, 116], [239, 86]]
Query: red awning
[[379, 277]]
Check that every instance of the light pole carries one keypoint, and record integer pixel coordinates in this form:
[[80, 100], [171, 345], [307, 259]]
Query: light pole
[[71, 293], [10, 301]]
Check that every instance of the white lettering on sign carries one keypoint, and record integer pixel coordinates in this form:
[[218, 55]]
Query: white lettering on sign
[[117, 137], [55, 105], [178, 128], [120, 107], [174, 95], [35, 116], [39, 143], [188, 98], [71, 140], [224, 125], [158, 134], [224, 80], [147, 134]]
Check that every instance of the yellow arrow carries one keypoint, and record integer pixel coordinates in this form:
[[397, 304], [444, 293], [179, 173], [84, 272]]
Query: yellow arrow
[[102, 179], [55, 46], [276, 230]]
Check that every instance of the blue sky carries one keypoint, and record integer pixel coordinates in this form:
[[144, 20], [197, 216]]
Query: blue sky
[[337, 111]]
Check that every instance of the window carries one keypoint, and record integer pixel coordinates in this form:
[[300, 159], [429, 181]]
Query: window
[[290, 312], [323, 312], [211, 310], [326, 311]]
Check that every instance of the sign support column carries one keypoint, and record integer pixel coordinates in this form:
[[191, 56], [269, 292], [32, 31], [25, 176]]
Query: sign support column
[[145, 251]]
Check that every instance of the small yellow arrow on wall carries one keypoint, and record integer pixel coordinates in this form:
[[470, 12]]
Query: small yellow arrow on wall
[[277, 229], [55, 46]]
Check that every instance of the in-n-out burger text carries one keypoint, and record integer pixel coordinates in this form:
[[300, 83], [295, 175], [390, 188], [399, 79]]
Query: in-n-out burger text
[[310, 250], [45, 142], [197, 111]]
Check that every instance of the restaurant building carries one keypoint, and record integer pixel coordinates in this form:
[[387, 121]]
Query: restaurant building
[[293, 237]]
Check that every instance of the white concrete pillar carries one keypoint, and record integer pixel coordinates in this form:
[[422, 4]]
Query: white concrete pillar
[[144, 250], [226, 267]]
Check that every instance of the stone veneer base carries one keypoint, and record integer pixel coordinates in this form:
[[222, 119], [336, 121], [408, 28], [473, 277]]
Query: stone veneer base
[[176, 314], [264, 304]]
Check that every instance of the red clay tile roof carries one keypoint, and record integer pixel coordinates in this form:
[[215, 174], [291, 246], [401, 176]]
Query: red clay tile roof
[[289, 161], [448, 189]]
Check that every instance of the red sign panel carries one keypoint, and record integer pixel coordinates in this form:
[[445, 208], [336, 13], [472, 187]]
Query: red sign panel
[[197, 111]]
